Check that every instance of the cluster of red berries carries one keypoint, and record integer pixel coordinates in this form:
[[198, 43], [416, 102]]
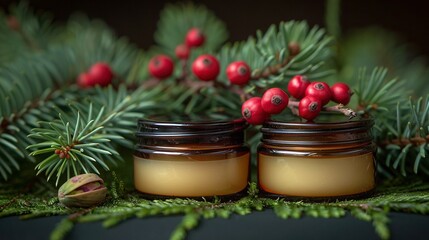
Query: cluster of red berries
[[162, 66], [256, 110], [312, 95], [99, 74], [63, 153], [205, 67]]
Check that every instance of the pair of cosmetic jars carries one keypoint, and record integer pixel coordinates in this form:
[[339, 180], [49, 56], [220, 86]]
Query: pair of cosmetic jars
[[294, 160]]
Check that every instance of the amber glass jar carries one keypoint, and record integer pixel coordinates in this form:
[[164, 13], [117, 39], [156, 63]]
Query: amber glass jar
[[317, 160], [191, 159]]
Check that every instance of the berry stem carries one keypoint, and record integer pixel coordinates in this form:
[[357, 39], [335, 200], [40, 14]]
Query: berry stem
[[184, 63], [152, 82], [342, 109], [238, 90], [293, 105], [271, 70], [402, 142]]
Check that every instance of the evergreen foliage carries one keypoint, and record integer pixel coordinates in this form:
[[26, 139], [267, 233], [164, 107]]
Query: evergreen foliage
[[88, 134], [33, 85]]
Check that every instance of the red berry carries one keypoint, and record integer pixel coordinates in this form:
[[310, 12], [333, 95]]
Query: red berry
[[194, 38], [67, 156], [238, 72], [101, 74], [206, 67], [319, 90], [182, 51], [161, 66], [62, 155], [309, 107], [297, 86], [85, 80], [252, 111], [57, 151], [274, 101], [13, 23], [341, 93]]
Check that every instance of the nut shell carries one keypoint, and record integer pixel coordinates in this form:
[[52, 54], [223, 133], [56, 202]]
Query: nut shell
[[83, 190]]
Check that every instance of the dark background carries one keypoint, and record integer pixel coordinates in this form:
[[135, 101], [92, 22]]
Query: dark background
[[137, 19]]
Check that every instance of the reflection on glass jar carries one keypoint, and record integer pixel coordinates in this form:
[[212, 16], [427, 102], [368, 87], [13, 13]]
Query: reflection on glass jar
[[191, 159], [317, 160]]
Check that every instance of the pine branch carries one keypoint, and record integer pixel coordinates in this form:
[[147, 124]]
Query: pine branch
[[406, 144], [28, 97], [81, 141], [62, 229], [72, 147], [34, 84], [189, 222], [281, 52], [401, 134], [377, 94]]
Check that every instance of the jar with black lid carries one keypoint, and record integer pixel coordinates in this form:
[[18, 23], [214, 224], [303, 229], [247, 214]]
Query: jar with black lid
[[317, 160], [191, 159]]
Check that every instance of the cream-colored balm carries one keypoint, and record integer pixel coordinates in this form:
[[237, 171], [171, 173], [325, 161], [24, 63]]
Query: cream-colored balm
[[191, 176], [317, 160], [316, 176], [191, 158]]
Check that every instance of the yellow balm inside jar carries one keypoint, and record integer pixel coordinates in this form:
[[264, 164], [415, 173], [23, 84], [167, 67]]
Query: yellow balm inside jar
[[191, 159], [325, 160]]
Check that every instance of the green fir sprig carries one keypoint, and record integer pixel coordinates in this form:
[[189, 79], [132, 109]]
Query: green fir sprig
[[74, 147], [376, 93], [402, 124], [81, 139]]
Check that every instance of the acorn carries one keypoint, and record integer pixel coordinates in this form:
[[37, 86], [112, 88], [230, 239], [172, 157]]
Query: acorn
[[85, 190]]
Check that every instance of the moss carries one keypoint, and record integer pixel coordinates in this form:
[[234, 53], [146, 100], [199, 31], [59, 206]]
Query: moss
[[398, 195]]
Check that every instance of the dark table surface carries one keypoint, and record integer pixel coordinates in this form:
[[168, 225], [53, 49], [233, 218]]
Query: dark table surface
[[257, 225]]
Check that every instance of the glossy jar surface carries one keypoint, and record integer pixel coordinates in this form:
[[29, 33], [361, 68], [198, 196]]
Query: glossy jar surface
[[191, 159], [317, 160]]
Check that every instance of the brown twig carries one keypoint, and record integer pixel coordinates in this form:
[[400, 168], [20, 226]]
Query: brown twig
[[271, 70], [293, 105], [184, 63], [342, 109], [402, 142], [150, 83]]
